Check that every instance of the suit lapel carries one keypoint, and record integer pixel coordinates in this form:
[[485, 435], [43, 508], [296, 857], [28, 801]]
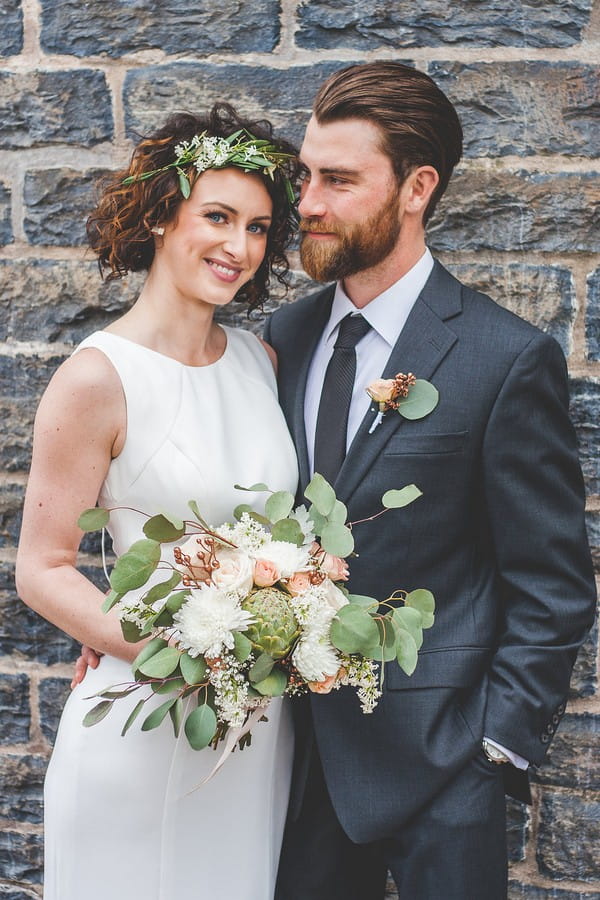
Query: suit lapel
[[423, 343]]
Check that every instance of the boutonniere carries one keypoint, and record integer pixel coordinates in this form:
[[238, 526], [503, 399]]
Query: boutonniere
[[413, 398]]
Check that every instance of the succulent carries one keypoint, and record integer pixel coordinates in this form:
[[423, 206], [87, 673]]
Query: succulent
[[275, 626]]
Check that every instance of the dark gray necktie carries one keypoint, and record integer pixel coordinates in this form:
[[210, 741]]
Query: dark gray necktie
[[332, 419]]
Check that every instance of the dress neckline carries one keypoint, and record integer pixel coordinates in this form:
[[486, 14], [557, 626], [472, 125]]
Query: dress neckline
[[172, 358]]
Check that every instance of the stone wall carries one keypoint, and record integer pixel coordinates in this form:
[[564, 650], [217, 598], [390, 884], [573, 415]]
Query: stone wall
[[521, 220]]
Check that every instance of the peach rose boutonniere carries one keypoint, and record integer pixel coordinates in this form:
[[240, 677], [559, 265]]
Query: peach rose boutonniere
[[413, 398]]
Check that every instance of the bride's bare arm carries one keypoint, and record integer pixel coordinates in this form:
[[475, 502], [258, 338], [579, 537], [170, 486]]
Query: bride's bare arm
[[80, 426]]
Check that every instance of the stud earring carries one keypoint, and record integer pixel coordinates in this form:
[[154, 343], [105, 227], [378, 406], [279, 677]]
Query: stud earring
[[158, 229]]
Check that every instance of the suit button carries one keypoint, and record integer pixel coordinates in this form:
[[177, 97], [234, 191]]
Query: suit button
[[555, 719], [561, 709], [549, 728], [545, 738]]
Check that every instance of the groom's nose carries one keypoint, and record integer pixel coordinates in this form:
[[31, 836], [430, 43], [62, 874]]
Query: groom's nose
[[312, 204]]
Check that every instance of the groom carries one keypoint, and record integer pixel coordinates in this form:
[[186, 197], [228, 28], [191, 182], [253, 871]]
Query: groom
[[498, 535]]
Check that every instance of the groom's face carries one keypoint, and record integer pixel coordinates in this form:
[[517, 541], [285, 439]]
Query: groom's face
[[349, 200]]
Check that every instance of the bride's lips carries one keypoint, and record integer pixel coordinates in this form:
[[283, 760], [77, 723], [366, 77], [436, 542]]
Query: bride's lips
[[223, 271]]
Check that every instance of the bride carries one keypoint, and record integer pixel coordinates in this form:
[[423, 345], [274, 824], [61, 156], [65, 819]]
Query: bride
[[163, 406]]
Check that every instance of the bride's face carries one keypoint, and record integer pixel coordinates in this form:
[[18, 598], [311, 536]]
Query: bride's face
[[218, 239]]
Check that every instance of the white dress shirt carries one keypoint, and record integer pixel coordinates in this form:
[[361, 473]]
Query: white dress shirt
[[387, 315]]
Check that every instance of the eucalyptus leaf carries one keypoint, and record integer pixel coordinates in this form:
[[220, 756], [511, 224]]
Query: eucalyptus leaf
[[131, 632], [162, 528], [133, 569], [407, 652], [410, 620], [387, 647], [109, 601], [176, 714], [320, 492], [157, 715], [163, 589], [288, 530], [339, 513], [397, 499], [255, 488], [150, 649], [193, 668], [279, 505], [200, 726], [273, 685], [363, 601], [162, 664], [354, 631], [261, 668], [240, 509], [337, 540], [176, 601], [424, 601], [194, 508], [422, 399], [242, 646], [93, 519], [116, 695], [97, 713], [317, 519], [168, 686], [132, 716]]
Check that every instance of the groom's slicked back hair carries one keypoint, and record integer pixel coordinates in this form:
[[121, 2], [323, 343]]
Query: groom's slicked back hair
[[418, 124]]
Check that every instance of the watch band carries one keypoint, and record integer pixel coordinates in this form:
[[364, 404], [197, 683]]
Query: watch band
[[493, 754]]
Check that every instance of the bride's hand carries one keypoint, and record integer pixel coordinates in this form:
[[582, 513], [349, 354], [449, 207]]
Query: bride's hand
[[88, 659]]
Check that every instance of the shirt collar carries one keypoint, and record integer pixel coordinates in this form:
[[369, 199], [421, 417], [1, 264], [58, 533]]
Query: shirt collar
[[388, 312]]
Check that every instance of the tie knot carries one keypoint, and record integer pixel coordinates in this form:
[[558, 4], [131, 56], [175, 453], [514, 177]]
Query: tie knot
[[351, 330]]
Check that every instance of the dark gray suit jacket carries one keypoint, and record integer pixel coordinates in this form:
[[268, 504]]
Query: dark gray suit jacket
[[498, 536]]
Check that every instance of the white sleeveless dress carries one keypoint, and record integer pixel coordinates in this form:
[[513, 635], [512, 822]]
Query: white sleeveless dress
[[123, 820]]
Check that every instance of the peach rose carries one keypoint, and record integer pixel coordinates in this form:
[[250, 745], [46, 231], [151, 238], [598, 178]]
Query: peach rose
[[298, 583], [382, 390], [335, 567], [266, 573], [323, 687]]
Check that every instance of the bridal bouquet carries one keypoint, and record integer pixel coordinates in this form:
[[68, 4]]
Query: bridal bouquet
[[253, 609]]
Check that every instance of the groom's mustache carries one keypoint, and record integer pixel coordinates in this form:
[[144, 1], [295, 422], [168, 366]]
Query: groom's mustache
[[318, 227]]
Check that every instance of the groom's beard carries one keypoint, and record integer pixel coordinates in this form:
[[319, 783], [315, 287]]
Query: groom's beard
[[357, 247]]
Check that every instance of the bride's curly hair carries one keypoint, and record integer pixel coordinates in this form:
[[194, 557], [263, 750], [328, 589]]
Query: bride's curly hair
[[119, 229]]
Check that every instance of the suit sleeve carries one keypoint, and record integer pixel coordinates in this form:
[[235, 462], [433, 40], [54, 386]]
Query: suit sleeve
[[535, 501]]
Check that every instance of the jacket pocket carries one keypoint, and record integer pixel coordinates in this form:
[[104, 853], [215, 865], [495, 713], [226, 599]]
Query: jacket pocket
[[450, 667], [402, 443]]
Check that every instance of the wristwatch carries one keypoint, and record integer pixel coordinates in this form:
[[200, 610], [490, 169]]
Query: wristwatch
[[493, 754]]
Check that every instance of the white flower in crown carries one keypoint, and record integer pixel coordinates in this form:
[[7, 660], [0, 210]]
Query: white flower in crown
[[250, 151], [207, 620]]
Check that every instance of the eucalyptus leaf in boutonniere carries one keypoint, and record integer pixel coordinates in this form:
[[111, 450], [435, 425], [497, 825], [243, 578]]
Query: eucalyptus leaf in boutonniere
[[413, 398]]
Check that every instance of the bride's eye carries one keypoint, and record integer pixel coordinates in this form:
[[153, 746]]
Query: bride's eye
[[258, 228], [215, 216]]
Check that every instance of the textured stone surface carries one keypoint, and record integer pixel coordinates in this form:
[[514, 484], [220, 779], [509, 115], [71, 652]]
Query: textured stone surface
[[524, 108], [53, 693], [592, 316], [11, 502], [584, 680], [399, 23], [14, 709], [519, 891], [22, 381], [39, 108], [59, 300], [544, 295], [11, 27], [6, 234], [592, 520], [171, 26], [284, 96], [569, 836], [17, 893], [58, 202], [516, 210], [21, 857], [21, 787], [585, 413], [573, 759], [517, 829]]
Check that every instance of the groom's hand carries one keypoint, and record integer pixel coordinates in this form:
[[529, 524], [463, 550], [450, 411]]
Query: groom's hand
[[88, 659]]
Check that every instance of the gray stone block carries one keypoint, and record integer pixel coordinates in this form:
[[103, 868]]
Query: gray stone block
[[592, 521], [11, 504], [585, 413], [11, 27], [573, 760], [21, 787], [14, 709], [592, 316], [569, 836], [519, 891], [517, 210], [59, 300], [284, 96], [6, 233], [21, 858], [517, 829], [524, 108], [544, 295], [57, 205], [22, 381], [38, 108], [431, 23], [17, 893], [122, 27], [53, 693], [584, 679]]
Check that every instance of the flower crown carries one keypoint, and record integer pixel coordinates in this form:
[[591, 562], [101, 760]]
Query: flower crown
[[241, 149]]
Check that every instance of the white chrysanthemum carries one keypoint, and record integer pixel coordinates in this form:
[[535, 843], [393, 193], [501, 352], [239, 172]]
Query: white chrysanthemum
[[300, 514], [315, 657], [207, 620], [287, 557]]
